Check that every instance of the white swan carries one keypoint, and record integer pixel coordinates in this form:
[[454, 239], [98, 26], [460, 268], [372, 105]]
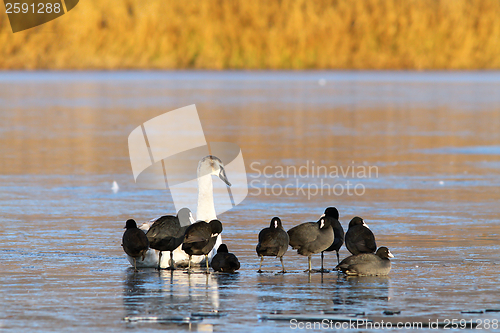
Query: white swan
[[208, 166]]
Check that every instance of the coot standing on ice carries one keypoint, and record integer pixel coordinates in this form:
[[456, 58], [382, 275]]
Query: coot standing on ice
[[338, 233], [312, 237], [134, 241], [167, 233], [200, 239], [273, 242], [224, 261], [359, 238]]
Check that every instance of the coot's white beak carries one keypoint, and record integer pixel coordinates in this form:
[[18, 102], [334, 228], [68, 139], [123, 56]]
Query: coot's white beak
[[214, 235], [390, 255]]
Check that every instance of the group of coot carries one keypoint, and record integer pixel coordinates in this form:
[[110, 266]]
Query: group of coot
[[327, 234], [169, 232]]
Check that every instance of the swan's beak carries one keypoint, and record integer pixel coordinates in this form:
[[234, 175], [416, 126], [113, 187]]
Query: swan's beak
[[223, 177]]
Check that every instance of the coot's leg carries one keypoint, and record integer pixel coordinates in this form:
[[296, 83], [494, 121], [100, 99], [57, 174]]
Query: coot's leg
[[189, 265], [159, 261], [282, 265], [206, 261], [322, 269], [309, 260]]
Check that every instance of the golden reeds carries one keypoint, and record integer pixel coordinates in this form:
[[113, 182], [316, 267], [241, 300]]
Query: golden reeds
[[261, 34]]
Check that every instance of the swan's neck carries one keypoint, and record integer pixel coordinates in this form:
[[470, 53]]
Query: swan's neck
[[206, 209]]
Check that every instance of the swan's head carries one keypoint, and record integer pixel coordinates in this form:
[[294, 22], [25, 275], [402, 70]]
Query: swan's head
[[211, 165], [185, 217]]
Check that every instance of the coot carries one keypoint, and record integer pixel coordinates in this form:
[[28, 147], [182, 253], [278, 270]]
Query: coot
[[312, 237], [367, 263], [224, 261], [167, 233], [200, 239], [338, 233], [273, 242], [134, 241], [359, 238]]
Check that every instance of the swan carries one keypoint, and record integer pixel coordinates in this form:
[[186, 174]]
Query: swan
[[208, 166]]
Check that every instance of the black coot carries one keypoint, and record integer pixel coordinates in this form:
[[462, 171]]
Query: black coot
[[312, 237], [167, 233], [134, 241], [359, 238], [200, 239], [273, 242], [338, 233], [367, 263], [224, 261]]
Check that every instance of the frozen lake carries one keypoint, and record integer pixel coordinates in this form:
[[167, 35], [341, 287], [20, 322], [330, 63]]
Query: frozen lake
[[431, 139]]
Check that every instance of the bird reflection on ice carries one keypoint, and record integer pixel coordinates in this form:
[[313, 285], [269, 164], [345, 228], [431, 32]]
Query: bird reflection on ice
[[171, 298], [360, 289]]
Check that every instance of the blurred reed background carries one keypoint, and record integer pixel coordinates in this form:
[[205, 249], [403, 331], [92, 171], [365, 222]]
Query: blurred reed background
[[261, 34]]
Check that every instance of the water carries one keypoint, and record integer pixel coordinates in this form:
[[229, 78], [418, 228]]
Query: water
[[432, 198]]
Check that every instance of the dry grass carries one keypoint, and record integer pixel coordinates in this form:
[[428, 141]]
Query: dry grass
[[261, 34]]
